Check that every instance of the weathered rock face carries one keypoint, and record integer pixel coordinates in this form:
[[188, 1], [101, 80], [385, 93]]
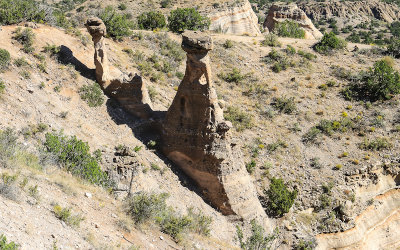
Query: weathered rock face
[[235, 20], [354, 11], [130, 91], [278, 13], [196, 137]]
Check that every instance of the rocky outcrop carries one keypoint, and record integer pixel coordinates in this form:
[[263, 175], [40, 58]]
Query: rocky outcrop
[[197, 138], [129, 90], [376, 228], [281, 12], [352, 11], [236, 20]]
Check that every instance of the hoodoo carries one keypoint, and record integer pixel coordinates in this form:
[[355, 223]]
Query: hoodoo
[[128, 89], [197, 138]]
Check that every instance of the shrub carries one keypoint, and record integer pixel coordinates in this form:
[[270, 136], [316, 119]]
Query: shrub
[[2, 87], [289, 28], [122, 6], [241, 120], [5, 59], [8, 146], [118, 26], [52, 49], [5, 245], [257, 240], [65, 215], [144, 207], [234, 76], [228, 44], [381, 82], [187, 19], [74, 155], [20, 62], [284, 104], [251, 166], [280, 199], [271, 40], [395, 28], [151, 20], [16, 11], [329, 43], [92, 94], [8, 187], [393, 48], [165, 3], [376, 144], [26, 37]]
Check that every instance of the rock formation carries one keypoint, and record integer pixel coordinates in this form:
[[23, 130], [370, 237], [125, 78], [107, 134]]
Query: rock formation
[[197, 138], [237, 20], [281, 12], [353, 12], [130, 91], [376, 228]]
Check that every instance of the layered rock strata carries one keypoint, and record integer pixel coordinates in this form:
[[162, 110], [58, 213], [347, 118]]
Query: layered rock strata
[[281, 12], [353, 12], [197, 138], [129, 90], [236, 20]]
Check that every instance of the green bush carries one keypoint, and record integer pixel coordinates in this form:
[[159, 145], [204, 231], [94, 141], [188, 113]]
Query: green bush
[[92, 94], [74, 155], [182, 19], [118, 26], [65, 215], [5, 245], [289, 28], [381, 82], [166, 3], [8, 146], [376, 144], [329, 43], [228, 44], [257, 240], [271, 40], [280, 199], [393, 48], [241, 120], [144, 207], [2, 87], [395, 28], [5, 59], [285, 105], [52, 49], [234, 76], [16, 11], [26, 37], [251, 166], [151, 20]]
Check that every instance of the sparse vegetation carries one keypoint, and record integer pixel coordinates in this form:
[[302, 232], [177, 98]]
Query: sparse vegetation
[[257, 239], [65, 215], [234, 76], [271, 40], [241, 120], [26, 37], [92, 94], [376, 144], [16, 11], [284, 105], [5, 59], [144, 207]]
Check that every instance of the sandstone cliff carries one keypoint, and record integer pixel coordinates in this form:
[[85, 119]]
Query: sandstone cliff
[[236, 20], [281, 11], [352, 11]]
